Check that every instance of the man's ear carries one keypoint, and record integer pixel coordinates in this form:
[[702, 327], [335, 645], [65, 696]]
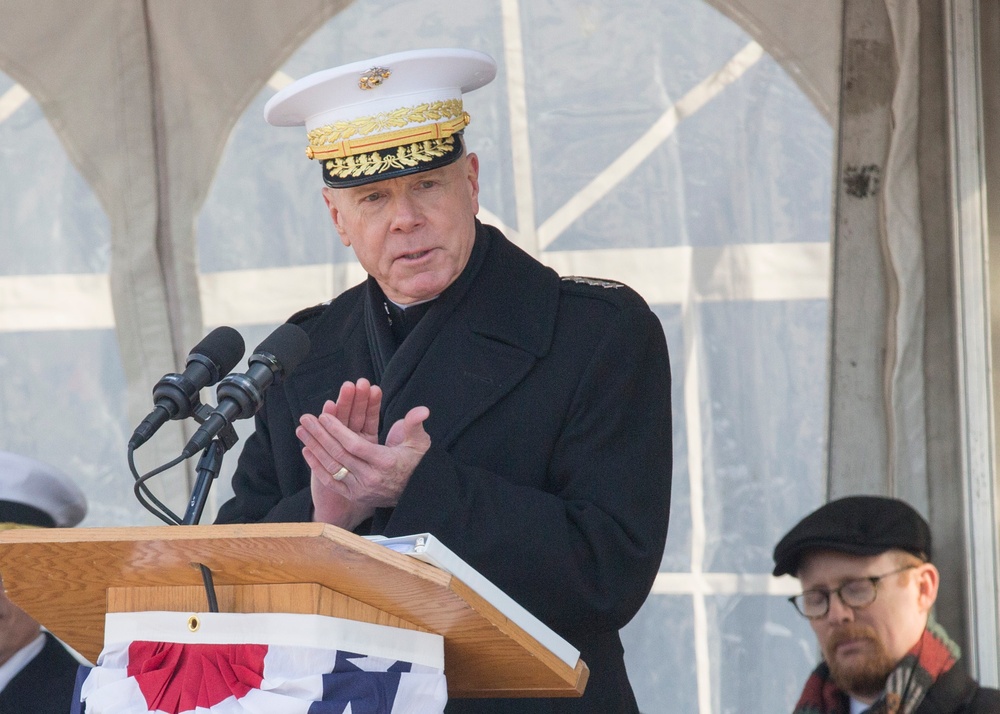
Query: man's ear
[[928, 580], [472, 175], [331, 205]]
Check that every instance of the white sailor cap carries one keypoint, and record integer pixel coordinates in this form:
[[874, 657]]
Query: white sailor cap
[[33, 493], [384, 117]]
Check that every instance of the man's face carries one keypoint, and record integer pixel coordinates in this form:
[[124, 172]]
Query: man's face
[[413, 234], [862, 646], [17, 628]]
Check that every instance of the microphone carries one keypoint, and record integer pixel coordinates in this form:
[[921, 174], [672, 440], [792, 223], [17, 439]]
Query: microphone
[[242, 395], [175, 396]]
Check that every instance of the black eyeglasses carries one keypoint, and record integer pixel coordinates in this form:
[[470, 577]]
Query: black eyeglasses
[[855, 594]]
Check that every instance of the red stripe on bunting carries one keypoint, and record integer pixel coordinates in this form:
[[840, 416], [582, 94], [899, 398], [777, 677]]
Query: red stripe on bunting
[[178, 678]]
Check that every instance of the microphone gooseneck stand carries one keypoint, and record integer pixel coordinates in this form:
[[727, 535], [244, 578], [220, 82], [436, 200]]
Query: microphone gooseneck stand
[[209, 465]]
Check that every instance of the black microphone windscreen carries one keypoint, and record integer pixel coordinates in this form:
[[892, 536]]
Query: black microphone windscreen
[[224, 346], [287, 345]]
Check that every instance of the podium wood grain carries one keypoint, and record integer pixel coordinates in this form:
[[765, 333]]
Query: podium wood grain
[[68, 579]]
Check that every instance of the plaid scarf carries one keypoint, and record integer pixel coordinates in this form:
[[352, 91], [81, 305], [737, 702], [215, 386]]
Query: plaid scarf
[[933, 655]]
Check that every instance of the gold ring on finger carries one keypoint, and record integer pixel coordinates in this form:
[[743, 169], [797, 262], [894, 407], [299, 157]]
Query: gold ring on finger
[[340, 473]]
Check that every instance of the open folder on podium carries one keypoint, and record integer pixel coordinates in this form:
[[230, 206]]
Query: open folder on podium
[[68, 579]]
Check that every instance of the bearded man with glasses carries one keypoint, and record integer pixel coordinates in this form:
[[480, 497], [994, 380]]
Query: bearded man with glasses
[[868, 587]]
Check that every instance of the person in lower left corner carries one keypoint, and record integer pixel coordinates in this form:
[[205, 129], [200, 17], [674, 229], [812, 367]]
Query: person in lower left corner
[[37, 673], [868, 589]]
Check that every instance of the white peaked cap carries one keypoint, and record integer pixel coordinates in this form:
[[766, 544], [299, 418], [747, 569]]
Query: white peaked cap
[[386, 116], [35, 493]]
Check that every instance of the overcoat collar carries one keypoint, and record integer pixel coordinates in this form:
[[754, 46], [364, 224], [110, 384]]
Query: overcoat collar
[[461, 361]]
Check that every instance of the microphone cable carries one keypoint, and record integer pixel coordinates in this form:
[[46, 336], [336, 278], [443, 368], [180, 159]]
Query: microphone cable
[[142, 492]]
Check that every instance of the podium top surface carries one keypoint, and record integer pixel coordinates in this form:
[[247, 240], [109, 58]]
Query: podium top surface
[[62, 578]]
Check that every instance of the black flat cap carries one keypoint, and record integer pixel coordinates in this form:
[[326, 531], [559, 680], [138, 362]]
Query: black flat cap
[[859, 525]]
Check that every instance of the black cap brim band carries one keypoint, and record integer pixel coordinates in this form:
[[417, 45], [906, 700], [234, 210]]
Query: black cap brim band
[[404, 160], [14, 512]]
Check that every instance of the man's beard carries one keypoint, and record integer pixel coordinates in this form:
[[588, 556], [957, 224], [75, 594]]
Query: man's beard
[[864, 674]]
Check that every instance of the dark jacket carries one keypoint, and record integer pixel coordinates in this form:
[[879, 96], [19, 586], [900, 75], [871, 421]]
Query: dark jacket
[[550, 463], [955, 692], [45, 685]]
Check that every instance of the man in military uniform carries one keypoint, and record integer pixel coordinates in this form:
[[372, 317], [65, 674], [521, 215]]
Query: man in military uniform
[[37, 674], [465, 389]]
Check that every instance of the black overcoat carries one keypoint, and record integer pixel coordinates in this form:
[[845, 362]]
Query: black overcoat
[[45, 685], [550, 463]]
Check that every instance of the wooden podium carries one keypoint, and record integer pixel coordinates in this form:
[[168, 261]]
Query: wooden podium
[[67, 579]]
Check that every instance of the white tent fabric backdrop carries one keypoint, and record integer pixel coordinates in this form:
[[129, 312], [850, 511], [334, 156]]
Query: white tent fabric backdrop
[[685, 148]]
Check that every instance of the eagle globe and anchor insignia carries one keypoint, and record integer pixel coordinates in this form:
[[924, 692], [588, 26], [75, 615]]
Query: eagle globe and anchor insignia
[[374, 77]]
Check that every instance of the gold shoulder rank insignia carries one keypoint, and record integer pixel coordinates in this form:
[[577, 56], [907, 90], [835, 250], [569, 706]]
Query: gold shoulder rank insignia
[[596, 282]]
